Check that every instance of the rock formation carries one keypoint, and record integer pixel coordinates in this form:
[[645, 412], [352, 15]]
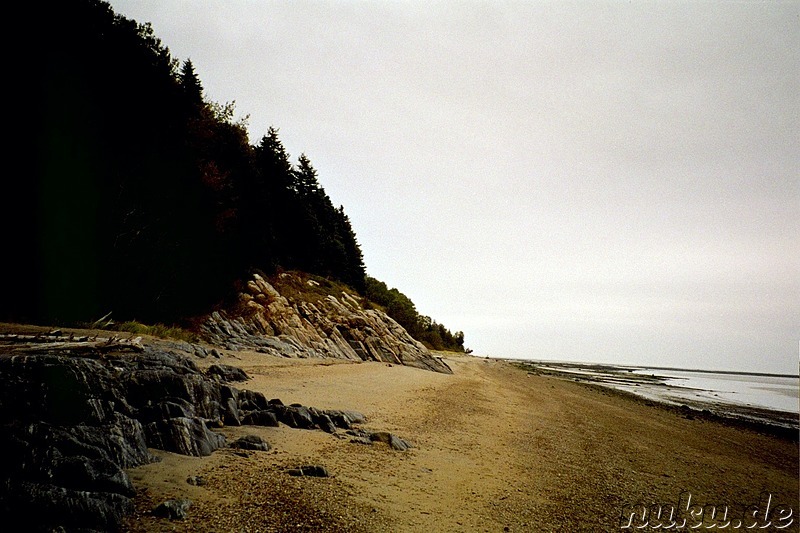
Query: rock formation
[[314, 325], [75, 414]]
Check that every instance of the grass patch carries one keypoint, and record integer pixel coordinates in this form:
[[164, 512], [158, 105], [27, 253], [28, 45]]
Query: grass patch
[[155, 330]]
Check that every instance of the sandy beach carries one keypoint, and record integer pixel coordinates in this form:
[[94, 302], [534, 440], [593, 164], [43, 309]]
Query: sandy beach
[[495, 449]]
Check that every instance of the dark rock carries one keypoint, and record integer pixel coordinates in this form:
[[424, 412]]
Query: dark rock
[[361, 436], [187, 436], [394, 442], [173, 509], [227, 373], [322, 420], [174, 408], [161, 376], [197, 481], [251, 442], [226, 391], [251, 401], [260, 418], [310, 471], [345, 419], [230, 412], [55, 388], [294, 416], [54, 507], [302, 416]]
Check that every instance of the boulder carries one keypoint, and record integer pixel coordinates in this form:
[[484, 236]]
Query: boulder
[[394, 442], [362, 436], [251, 442]]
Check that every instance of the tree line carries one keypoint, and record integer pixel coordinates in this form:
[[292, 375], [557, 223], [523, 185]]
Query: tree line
[[136, 194], [400, 307]]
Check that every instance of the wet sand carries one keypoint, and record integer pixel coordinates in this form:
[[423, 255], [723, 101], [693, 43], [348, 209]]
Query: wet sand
[[495, 449]]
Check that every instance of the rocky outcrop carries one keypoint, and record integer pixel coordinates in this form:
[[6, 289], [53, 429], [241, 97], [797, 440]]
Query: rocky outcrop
[[323, 326], [71, 422], [75, 415]]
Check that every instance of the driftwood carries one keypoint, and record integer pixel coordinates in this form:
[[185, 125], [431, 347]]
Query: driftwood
[[56, 342]]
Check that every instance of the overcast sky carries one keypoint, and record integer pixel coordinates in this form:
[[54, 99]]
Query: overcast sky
[[588, 181]]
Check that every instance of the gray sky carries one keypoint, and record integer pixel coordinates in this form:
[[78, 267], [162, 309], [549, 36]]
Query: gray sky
[[588, 181]]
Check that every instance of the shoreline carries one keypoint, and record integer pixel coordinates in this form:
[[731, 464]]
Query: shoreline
[[494, 449], [654, 389]]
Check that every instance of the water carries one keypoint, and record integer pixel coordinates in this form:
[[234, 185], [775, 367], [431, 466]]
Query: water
[[778, 393]]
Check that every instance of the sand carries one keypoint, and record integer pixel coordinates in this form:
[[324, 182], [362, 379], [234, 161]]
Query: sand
[[495, 449]]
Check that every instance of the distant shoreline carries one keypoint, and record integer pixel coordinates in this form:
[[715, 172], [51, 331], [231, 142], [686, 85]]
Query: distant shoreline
[[654, 389], [648, 367]]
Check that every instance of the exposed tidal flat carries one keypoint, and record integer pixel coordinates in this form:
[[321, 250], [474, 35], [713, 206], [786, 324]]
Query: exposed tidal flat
[[761, 398], [495, 447]]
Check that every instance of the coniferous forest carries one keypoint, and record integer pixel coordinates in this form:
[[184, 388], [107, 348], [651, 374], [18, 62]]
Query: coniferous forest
[[136, 194]]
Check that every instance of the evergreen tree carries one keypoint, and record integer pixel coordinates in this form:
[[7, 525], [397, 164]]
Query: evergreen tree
[[306, 184], [274, 203], [190, 83], [353, 271]]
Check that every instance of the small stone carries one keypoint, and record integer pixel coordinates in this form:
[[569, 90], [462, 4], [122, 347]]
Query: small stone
[[309, 471], [173, 509], [394, 442]]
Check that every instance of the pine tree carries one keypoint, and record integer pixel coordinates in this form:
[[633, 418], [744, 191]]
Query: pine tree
[[190, 83]]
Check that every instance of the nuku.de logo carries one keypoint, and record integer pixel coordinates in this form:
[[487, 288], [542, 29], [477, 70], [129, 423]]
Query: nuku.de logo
[[685, 514]]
